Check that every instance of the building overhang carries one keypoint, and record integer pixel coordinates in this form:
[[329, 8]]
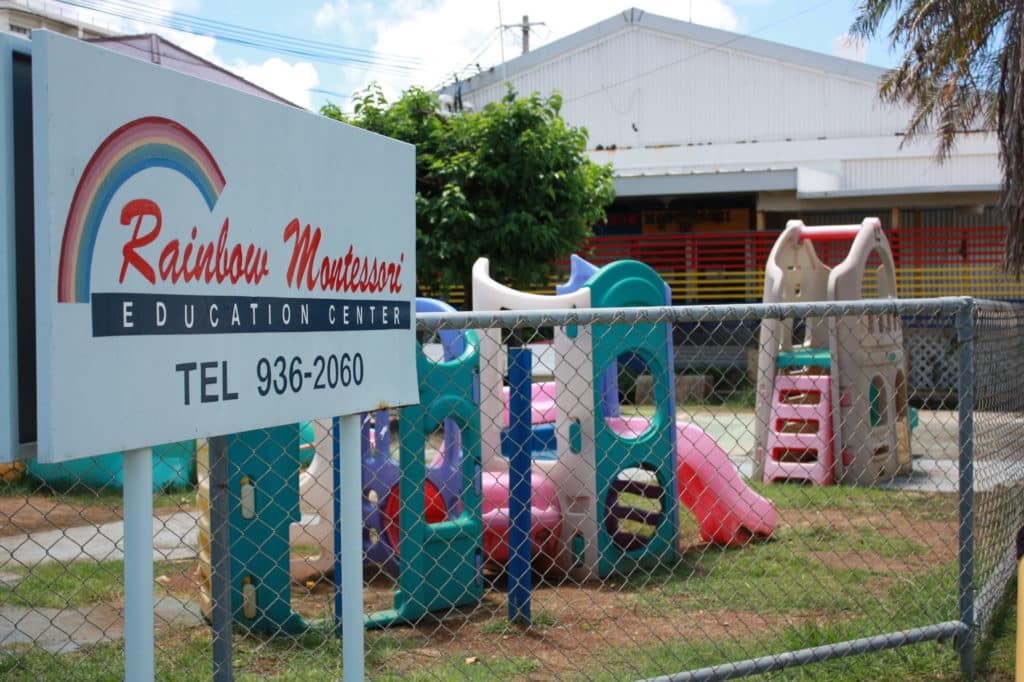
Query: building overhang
[[710, 182], [830, 169]]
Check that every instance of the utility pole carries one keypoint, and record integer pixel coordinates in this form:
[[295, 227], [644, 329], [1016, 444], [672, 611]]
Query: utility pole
[[525, 27]]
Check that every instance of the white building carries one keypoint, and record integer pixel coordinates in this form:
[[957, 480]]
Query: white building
[[711, 131], [21, 17]]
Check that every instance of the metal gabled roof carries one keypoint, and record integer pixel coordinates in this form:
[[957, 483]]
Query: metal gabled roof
[[634, 18]]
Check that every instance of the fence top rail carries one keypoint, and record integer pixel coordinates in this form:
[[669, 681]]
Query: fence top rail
[[993, 306], [697, 313]]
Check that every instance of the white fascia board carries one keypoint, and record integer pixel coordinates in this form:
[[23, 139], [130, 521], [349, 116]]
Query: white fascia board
[[816, 165], [900, 191], [819, 178], [706, 183]]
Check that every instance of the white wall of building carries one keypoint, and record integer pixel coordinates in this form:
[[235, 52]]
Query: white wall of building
[[663, 98]]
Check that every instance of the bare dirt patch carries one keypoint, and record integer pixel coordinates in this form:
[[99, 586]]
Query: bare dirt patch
[[21, 514], [580, 627], [31, 513]]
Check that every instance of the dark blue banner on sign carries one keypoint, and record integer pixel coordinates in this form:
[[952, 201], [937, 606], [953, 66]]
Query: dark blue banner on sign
[[175, 314]]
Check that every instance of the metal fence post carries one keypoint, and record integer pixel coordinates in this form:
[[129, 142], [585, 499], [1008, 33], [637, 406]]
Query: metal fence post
[[965, 405], [221, 610]]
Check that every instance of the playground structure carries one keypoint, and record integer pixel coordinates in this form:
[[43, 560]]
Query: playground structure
[[436, 558], [381, 474], [601, 457], [173, 467], [832, 408], [586, 461]]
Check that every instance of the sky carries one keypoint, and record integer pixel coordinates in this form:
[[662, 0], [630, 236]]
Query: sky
[[317, 51]]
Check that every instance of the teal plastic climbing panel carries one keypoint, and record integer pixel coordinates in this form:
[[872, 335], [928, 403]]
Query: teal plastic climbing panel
[[626, 464]]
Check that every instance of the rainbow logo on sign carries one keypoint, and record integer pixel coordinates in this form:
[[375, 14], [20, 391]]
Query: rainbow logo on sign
[[149, 142]]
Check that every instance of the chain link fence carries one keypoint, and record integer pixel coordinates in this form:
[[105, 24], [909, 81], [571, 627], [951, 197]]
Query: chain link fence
[[624, 493]]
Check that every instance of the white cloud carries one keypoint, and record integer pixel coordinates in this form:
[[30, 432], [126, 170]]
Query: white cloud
[[848, 47], [203, 46], [339, 14], [327, 14], [291, 81]]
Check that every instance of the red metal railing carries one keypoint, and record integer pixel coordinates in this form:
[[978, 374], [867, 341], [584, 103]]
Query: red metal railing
[[709, 267], [719, 266]]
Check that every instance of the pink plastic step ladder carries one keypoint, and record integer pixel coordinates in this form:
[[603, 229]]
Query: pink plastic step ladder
[[800, 430]]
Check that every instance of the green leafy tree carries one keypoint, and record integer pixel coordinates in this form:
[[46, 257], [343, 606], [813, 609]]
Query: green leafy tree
[[962, 69], [512, 183]]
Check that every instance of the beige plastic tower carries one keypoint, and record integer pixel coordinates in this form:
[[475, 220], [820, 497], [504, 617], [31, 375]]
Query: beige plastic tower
[[867, 362]]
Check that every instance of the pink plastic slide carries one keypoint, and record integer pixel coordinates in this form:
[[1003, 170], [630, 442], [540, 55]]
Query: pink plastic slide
[[727, 510]]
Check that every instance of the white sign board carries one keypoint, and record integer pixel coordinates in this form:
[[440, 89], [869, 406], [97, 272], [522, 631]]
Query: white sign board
[[209, 262]]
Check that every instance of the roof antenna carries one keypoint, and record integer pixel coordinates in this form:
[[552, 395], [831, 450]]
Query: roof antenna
[[501, 40]]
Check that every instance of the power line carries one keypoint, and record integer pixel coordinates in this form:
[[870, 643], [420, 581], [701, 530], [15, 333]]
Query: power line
[[330, 93], [192, 60], [253, 38], [474, 61]]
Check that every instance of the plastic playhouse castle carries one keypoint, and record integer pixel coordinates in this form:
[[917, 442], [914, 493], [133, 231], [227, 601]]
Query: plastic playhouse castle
[[600, 455], [436, 516], [832, 405]]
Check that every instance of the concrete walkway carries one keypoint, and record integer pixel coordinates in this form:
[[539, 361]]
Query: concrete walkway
[[175, 537], [62, 630], [65, 630]]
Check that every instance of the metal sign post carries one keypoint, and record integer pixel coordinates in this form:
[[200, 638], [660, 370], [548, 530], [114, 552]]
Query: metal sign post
[[138, 564], [348, 543], [220, 559]]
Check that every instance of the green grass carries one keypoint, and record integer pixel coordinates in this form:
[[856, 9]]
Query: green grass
[[995, 657], [802, 585], [808, 498], [538, 622], [55, 585], [926, 661], [315, 656], [398, 656]]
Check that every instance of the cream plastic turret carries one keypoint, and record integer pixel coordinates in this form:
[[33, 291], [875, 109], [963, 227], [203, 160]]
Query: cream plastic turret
[[867, 352], [868, 394]]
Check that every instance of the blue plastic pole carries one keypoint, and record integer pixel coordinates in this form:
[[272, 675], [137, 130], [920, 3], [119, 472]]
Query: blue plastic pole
[[520, 461]]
